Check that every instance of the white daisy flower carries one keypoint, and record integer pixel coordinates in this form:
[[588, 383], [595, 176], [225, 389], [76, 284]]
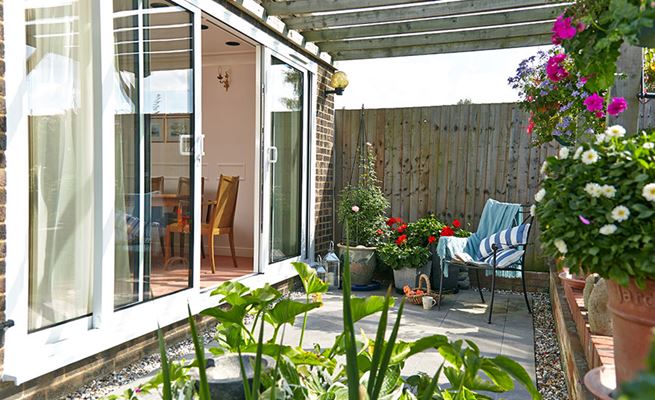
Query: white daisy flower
[[601, 138], [615, 131], [593, 189], [564, 153], [607, 229], [649, 192], [544, 168], [590, 156], [577, 153], [561, 246], [620, 213], [608, 191], [540, 195], [533, 210], [649, 145]]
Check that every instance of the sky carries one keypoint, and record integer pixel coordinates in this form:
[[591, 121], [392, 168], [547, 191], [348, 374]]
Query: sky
[[431, 80]]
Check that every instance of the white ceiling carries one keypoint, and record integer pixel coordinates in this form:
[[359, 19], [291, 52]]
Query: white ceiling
[[214, 38]]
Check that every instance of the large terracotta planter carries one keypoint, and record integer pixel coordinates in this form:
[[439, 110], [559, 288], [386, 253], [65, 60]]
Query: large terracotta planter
[[362, 263], [633, 316]]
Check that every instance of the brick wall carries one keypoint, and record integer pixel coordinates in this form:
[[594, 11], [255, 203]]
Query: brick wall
[[324, 206], [3, 181]]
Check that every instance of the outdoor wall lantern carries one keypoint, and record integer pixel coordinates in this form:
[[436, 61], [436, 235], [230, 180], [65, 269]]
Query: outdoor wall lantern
[[339, 82]]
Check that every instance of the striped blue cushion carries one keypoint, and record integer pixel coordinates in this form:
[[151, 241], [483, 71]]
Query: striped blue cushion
[[505, 258], [515, 236]]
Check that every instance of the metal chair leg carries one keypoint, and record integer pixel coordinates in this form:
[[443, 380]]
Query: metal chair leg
[[493, 292], [440, 286], [525, 292], [477, 277]]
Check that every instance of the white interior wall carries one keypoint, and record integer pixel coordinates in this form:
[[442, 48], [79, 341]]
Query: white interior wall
[[229, 126]]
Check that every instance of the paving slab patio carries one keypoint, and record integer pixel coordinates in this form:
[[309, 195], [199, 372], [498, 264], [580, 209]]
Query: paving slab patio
[[462, 316]]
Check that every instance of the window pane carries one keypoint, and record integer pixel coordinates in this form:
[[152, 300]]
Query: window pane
[[287, 124], [59, 92], [154, 112]]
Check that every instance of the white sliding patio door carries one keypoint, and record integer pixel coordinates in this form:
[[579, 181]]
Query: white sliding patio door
[[285, 155]]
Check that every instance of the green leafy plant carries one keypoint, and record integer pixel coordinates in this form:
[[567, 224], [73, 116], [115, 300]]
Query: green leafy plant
[[424, 231], [597, 203], [361, 207], [599, 28], [403, 255]]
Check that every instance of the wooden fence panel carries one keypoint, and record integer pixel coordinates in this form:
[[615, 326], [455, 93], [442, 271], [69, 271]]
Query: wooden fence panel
[[450, 159]]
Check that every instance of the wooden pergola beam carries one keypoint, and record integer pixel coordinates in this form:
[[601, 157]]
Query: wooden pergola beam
[[440, 24], [505, 43], [452, 8], [438, 38], [291, 7]]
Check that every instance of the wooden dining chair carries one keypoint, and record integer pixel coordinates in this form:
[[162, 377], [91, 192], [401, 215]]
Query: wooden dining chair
[[221, 221], [157, 184]]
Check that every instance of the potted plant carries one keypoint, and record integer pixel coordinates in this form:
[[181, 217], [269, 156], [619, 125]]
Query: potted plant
[[597, 208], [361, 211], [592, 32], [408, 248]]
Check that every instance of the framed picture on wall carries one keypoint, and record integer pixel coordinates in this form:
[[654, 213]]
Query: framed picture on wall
[[157, 127], [176, 126]]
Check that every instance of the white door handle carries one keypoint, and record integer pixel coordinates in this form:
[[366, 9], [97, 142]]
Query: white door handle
[[272, 155]]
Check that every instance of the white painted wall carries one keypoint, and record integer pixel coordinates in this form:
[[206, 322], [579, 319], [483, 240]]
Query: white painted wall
[[229, 127]]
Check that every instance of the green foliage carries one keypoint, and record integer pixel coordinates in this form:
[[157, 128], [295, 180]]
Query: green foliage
[[398, 256], [420, 231], [579, 216], [361, 207], [372, 366], [608, 23]]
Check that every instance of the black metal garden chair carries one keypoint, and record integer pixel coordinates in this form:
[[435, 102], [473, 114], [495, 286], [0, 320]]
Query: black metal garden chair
[[503, 251]]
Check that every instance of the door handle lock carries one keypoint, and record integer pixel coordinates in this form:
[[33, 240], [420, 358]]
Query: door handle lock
[[272, 155]]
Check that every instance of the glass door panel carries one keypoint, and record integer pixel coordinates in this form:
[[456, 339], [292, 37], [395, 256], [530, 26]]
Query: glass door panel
[[154, 171], [285, 146]]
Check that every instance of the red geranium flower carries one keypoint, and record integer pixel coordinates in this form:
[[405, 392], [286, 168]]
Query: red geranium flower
[[401, 239], [447, 231], [379, 232], [432, 239], [456, 223], [391, 221], [402, 228]]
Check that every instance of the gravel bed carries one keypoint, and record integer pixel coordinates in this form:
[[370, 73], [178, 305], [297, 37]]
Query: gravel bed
[[550, 376]]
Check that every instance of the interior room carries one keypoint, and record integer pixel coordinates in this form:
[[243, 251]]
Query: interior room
[[228, 123], [166, 176]]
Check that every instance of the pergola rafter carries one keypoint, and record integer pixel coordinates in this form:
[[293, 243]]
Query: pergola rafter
[[354, 29]]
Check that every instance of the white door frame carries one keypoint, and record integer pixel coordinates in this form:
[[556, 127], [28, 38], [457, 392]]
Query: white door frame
[[266, 168], [55, 347]]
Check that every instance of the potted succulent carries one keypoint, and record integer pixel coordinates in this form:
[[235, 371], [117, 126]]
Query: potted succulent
[[592, 32], [597, 208], [361, 210]]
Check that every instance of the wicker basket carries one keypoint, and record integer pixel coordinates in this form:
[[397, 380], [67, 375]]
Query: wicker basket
[[418, 299]]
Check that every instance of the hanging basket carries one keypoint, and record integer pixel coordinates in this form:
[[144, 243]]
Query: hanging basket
[[427, 291]]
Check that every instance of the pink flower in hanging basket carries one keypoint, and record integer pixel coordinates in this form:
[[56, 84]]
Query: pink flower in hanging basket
[[617, 106], [594, 103]]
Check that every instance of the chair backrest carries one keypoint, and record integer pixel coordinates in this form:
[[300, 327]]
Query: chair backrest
[[184, 186], [157, 184], [226, 202]]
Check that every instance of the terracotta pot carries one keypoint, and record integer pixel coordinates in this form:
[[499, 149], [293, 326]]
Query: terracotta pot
[[362, 263], [633, 316], [571, 281]]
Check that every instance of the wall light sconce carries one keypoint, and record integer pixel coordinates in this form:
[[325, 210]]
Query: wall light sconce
[[339, 82], [224, 77]]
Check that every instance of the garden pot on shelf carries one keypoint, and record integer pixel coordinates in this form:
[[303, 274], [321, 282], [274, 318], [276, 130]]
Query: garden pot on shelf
[[409, 276], [633, 316], [362, 263]]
